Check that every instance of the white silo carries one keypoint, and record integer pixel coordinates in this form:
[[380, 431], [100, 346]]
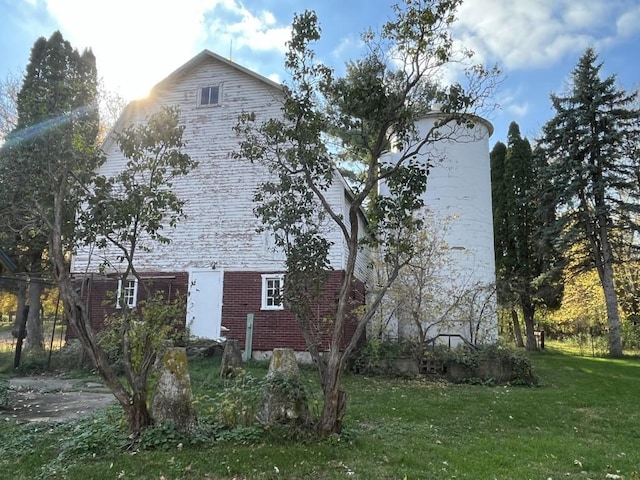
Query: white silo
[[458, 198]]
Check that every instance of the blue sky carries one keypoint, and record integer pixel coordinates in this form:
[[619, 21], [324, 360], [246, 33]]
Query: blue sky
[[138, 42]]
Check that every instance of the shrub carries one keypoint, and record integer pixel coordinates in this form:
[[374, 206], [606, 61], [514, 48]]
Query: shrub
[[237, 404], [72, 357], [489, 364], [6, 402], [631, 334], [376, 357]]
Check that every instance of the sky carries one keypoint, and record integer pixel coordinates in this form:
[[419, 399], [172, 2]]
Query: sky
[[137, 43]]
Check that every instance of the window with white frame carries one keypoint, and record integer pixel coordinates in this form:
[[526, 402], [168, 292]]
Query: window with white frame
[[272, 290], [209, 96], [129, 292]]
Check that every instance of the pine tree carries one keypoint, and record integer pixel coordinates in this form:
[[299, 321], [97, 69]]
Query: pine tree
[[590, 145], [529, 274]]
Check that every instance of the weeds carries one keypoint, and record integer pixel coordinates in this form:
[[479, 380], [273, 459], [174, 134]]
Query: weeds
[[571, 426], [6, 401]]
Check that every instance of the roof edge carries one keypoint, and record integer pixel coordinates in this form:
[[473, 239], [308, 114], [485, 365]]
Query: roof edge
[[172, 78]]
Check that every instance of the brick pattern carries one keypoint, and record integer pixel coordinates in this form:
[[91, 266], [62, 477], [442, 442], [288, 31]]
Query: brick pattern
[[276, 328], [242, 294], [94, 290]]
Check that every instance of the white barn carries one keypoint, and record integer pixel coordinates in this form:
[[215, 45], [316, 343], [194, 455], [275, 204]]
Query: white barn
[[217, 255], [229, 269]]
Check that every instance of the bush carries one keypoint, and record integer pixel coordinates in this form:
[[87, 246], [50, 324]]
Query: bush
[[377, 357], [6, 402], [489, 364], [237, 404], [72, 357], [631, 335]]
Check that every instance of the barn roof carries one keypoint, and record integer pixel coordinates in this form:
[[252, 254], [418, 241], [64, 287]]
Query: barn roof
[[169, 81], [185, 69]]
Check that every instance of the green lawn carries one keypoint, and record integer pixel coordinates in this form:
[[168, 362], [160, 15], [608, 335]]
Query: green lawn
[[583, 422]]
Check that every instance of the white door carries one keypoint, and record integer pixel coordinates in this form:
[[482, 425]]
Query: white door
[[204, 305]]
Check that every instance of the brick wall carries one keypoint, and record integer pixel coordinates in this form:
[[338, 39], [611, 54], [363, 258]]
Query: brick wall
[[242, 294], [94, 290], [276, 328]]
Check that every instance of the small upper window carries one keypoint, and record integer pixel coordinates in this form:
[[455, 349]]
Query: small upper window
[[129, 292], [210, 96], [272, 289]]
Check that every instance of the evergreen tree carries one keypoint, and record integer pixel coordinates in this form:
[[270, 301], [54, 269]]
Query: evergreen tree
[[528, 273], [590, 145], [56, 124]]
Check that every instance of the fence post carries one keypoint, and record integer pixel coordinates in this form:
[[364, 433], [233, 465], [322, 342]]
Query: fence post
[[248, 341]]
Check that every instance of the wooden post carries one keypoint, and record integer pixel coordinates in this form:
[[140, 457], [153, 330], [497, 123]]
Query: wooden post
[[248, 341]]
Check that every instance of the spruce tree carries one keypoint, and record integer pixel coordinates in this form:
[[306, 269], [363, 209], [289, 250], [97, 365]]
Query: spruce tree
[[590, 146]]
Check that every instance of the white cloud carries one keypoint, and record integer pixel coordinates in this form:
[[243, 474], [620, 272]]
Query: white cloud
[[518, 110], [139, 42], [347, 46], [628, 23], [136, 42], [521, 35], [275, 77], [255, 31]]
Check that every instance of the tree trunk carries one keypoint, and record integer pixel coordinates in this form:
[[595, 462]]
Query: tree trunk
[[517, 331], [528, 311], [78, 319], [613, 317], [335, 399], [604, 266], [22, 302], [35, 337], [138, 416]]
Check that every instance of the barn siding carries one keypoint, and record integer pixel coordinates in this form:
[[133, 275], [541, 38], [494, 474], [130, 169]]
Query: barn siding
[[220, 226], [220, 229]]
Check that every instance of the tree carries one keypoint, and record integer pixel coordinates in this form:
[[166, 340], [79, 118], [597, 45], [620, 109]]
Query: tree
[[8, 103], [55, 119], [529, 273], [55, 191], [111, 106], [363, 114], [125, 214], [591, 147], [431, 294]]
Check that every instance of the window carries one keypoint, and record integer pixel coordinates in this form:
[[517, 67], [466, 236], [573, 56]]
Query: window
[[272, 286], [210, 96], [130, 292]]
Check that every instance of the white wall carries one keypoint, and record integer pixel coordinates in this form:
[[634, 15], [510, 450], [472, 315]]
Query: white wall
[[220, 226], [459, 193]]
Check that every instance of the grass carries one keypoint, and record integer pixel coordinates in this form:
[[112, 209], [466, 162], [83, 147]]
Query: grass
[[583, 422]]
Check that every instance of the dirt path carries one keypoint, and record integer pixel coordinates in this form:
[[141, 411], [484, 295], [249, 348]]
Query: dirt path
[[54, 399]]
